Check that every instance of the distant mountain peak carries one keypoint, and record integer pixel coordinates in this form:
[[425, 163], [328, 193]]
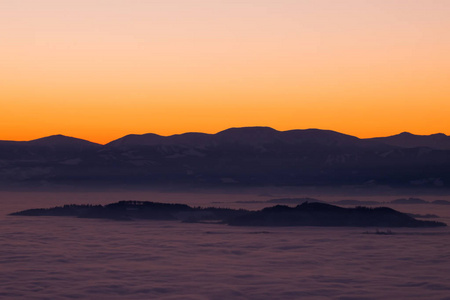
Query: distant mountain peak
[[406, 133], [61, 140], [439, 135], [137, 139], [409, 140], [256, 135], [249, 130]]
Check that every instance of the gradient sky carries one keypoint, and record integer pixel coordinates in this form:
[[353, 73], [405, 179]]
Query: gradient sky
[[101, 69]]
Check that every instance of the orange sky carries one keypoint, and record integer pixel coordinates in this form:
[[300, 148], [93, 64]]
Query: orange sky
[[101, 69]]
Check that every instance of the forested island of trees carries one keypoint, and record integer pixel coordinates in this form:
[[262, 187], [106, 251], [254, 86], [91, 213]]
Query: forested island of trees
[[305, 214]]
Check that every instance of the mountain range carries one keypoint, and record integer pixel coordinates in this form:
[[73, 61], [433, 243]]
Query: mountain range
[[248, 156]]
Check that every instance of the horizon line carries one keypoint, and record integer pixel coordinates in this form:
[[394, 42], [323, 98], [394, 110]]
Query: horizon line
[[233, 127]]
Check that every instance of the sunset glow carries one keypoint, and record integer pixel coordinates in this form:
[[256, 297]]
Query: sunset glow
[[101, 69]]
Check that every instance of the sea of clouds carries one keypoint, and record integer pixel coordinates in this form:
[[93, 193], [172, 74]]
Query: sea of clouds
[[70, 258]]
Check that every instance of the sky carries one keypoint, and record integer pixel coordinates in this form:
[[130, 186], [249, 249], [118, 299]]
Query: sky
[[101, 69]]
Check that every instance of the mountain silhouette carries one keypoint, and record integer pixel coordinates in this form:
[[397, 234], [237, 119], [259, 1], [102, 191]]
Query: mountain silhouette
[[62, 141], [249, 156], [47, 148], [245, 135], [409, 140]]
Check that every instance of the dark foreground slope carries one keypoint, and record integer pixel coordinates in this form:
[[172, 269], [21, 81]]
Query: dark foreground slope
[[306, 214]]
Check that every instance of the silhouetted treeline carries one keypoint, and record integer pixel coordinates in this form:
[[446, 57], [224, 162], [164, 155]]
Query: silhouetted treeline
[[305, 214]]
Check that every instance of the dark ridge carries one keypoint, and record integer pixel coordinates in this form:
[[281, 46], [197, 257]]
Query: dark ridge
[[321, 214], [237, 157], [248, 131], [306, 214], [409, 140], [441, 202], [128, 210], [136, 139], [292, 200], [73, 210], [409, 201], [320, 136], [356, 202], [60, 140], [381, 232], [422, 216]]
